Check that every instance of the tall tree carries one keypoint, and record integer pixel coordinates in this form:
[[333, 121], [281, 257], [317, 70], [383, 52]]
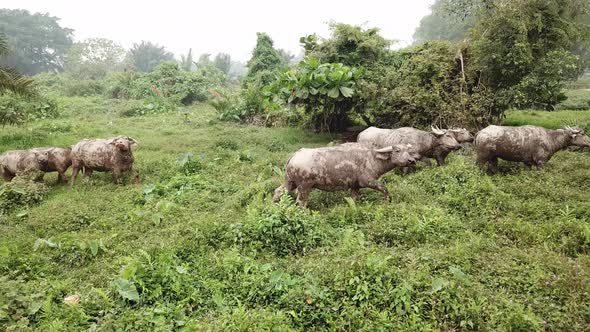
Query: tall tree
[[38, 42], [223, 62], [146, 55], [265, 62], [186, 62], [10, 78], [93, 58], [441, 24], [525, 50]]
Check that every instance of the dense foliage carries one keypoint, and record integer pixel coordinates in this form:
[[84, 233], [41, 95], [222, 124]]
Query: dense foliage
[[15, 109], [166, 80], [524, 51], [425, 84], [39, 43]]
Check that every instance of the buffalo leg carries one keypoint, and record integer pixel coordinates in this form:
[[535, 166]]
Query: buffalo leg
[[303, 195], [61, 177], [427, 161], [116, 176], [88, 172], [493, 165], [407, 170], [75, 170], [287, 186], [8, 176], [440, 160], [528, 165], [136, 179], [355, 193], [379, 187]]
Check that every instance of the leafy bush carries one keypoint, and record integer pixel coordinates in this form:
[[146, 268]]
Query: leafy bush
[[324, 90], [21, 192], [228, 106], [17, 110], [283, 228]]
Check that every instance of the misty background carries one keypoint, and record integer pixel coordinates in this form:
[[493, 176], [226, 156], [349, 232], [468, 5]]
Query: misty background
[[225, 26]]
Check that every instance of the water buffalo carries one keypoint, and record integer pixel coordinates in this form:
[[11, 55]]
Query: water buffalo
[[349, 166], [112, 154], [527, 144], [435, 144], [42, 160]]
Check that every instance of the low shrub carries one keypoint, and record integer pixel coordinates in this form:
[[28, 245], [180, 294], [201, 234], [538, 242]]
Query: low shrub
[[151, 105], [282, 228], [21, 192]]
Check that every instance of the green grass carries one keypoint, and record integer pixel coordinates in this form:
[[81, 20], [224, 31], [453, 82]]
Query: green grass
[[199, 245], [576, 100], [552, 120]]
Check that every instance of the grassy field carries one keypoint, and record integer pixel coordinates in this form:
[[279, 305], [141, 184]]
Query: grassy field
[[199, 246], [551, 120]]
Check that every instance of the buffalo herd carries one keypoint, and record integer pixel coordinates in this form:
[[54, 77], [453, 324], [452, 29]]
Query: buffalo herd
[[348, 166]]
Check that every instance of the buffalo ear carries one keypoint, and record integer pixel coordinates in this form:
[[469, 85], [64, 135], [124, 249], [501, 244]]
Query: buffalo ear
[[382, 156]]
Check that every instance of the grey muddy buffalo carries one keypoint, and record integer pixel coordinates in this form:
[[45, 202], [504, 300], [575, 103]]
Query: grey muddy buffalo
[[112, 154], [527, 144], [349, 166], [437, 143], [43, 160]]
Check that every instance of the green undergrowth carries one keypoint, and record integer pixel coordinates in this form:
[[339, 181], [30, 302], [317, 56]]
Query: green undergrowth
[[198, 245]]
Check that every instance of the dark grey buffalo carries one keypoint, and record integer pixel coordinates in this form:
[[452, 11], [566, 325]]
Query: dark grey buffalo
[[437, 143], [112, 154], [527, 144], [40, 160], [349, 166]]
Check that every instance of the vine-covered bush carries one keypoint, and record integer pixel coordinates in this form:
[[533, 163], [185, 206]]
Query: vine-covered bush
[[17, 110], [167, 80]]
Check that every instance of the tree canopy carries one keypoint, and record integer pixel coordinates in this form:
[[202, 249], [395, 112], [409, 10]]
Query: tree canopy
[[93, 58], [146, 55], [37, 41]]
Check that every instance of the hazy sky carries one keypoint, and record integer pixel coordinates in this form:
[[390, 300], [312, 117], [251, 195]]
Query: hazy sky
[[225, 26]]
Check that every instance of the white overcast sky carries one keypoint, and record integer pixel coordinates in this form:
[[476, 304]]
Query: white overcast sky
[[227, 26]]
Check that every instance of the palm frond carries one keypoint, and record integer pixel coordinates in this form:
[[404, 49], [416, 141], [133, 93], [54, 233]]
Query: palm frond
[[4, 48], [12, 80]]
